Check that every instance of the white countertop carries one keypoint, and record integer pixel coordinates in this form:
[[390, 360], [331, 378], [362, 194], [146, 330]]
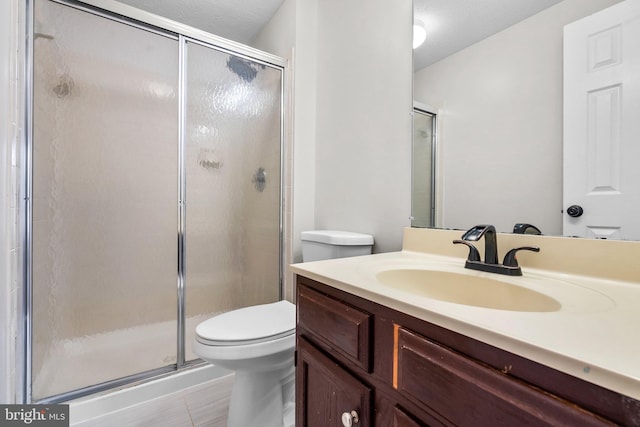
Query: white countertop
[[593, 336]]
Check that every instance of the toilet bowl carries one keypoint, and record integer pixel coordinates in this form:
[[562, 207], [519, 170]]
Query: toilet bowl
[[258, 343]]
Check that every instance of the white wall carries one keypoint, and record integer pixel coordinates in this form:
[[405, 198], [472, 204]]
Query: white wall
[[291, 34], [501, 122], [9, 155], [364, 104], [5, 48], [352, 65]]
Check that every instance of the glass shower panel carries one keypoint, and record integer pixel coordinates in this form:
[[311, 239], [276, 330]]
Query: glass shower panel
[[422, 174], [105, 178], [232, 162]]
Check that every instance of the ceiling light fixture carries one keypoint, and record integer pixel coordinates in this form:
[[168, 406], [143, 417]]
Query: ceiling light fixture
[[419, 34]]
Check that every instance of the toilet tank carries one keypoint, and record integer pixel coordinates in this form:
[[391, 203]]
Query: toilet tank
[[327, 244]]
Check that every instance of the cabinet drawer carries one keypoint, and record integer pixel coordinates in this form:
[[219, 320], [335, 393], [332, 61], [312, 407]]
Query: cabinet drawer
[[470, 393], [344, 329]]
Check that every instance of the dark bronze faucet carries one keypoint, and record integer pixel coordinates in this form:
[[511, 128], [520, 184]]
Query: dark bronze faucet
[[524, 228], [490, 264]]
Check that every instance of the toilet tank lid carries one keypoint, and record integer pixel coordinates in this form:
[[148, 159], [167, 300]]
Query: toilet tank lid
[[334, 237]]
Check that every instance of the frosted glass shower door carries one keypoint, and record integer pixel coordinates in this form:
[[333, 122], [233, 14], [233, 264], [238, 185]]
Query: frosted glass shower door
[[105, 186], [232, 162]]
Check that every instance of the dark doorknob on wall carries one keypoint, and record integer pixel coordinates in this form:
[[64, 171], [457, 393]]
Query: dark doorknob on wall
[[575, 211]]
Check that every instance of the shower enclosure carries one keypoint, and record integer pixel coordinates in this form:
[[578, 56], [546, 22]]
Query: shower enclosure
[[423, 169], [153, 193]]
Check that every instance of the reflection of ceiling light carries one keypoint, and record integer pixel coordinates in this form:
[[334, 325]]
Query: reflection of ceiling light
[[419, 34]]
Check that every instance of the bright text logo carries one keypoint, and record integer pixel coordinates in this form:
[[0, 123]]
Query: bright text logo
[[34, 415]]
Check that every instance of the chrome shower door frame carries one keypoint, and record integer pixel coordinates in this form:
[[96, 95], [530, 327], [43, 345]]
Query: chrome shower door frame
[[148, 22]]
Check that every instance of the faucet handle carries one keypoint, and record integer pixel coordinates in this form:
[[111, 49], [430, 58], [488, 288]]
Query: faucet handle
[[510, 258], [474, 255]]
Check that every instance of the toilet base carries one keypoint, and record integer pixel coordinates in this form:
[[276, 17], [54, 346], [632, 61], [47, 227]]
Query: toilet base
[[263, 399]]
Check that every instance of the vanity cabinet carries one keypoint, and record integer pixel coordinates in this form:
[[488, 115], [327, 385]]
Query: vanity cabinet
[[356, 357]]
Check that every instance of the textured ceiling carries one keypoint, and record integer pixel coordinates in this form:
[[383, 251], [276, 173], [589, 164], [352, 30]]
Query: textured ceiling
[[237, 20], [451, 25]]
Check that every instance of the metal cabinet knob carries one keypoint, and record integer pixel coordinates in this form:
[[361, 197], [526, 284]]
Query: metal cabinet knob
[[350, 418]]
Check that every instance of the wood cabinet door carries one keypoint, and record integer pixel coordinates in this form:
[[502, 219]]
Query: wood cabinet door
[[325, 391]]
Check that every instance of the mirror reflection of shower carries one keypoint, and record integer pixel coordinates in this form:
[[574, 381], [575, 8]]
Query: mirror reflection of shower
[[423, 169]]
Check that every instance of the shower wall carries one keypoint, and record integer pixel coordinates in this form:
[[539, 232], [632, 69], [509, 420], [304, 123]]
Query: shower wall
[[106, 197]]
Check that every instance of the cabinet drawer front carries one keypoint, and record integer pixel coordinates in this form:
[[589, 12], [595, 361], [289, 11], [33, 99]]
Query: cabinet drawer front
[[344, 329], [432, 374]]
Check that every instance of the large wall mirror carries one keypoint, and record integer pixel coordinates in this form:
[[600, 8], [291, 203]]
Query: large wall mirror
[[501, 100]]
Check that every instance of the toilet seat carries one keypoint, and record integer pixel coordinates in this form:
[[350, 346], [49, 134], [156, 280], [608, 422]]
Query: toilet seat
[[249, 325]]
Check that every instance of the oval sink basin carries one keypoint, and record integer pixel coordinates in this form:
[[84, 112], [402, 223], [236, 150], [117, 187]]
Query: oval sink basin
[[468, 290]]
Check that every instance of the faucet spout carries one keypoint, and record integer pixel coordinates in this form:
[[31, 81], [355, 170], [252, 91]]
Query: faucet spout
[[474, 234]]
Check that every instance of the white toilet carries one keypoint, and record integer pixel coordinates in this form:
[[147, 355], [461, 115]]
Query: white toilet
[[258, 342]]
